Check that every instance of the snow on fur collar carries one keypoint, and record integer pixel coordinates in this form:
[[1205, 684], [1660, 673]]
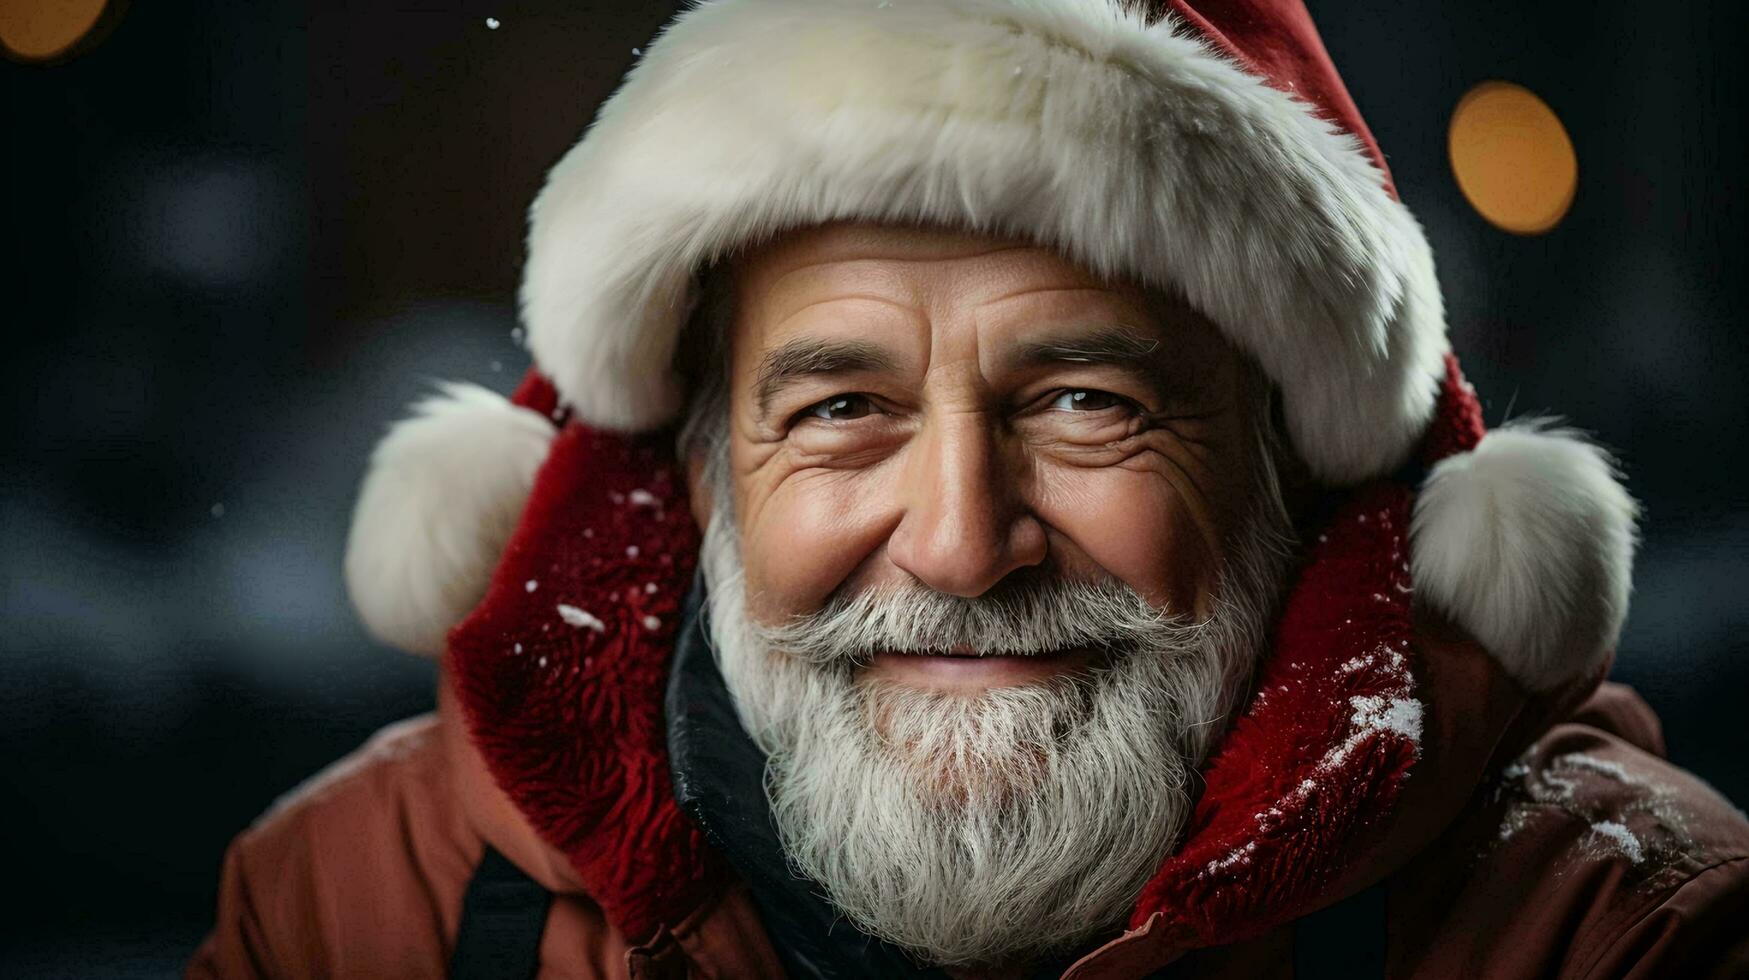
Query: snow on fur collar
[[560, 669]]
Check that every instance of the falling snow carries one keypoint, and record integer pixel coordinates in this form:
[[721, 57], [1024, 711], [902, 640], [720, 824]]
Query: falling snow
[[643, 498], [492, 23], [580, 619], [652, 624], [650, 588], [631, 551], [530, 585]]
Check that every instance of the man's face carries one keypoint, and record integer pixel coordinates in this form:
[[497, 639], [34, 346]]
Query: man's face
[[919, 406], [990, 555]]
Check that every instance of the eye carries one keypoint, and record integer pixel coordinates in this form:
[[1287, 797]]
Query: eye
[[1087, 400], [839, 408]]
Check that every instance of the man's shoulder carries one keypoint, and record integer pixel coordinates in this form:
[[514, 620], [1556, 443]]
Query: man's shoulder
[[390, 762], [365, 856], [1598, 795], [347, 804], [1589, 855]]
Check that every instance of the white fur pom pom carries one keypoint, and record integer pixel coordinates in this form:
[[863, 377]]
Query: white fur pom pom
[[1528, 543], [444, 491]]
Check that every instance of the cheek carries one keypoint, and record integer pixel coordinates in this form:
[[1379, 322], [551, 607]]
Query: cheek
[[805, 534], [1152, 531]]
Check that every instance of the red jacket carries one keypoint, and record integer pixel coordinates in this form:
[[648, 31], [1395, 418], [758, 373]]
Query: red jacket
[[1586, 855]]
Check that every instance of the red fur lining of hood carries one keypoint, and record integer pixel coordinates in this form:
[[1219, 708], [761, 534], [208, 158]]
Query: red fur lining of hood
[[1322, 750], [560, 673]]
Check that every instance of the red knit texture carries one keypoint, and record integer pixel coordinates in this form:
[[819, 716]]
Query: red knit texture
[[561, 673]]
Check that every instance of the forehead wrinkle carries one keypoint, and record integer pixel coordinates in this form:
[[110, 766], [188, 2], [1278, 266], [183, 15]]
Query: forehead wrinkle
[[872, 273], [1068, 280], [829, 279], [839, 298], [874, 245]]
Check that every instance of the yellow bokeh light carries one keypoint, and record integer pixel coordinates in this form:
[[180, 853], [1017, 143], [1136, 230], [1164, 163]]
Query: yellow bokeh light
[[41, 30], [1512, 158]]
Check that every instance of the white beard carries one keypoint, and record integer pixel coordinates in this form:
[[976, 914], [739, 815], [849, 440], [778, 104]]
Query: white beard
[[990, 828]]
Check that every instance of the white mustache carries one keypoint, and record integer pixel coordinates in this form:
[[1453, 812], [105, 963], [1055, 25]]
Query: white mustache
[[1028, 617]]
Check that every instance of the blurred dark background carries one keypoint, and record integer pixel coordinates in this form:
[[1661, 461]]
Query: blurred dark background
[[242, 236]]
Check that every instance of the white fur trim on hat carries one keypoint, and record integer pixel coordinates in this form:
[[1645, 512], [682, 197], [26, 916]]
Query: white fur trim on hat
[[1138, 150], [444, 491], [1528, 543]]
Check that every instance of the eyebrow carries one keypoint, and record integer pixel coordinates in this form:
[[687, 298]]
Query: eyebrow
[[807, 357], [1109, 345]]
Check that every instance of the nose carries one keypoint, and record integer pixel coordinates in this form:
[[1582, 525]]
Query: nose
[[966, 523]]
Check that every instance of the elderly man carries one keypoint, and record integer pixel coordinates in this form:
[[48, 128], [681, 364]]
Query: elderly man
[[1101, 565]]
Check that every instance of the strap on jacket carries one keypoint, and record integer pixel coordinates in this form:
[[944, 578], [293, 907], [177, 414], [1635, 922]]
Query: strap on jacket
[[504, 913]]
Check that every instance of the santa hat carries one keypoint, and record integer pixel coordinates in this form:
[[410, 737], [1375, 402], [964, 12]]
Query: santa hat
[[1202, 146]]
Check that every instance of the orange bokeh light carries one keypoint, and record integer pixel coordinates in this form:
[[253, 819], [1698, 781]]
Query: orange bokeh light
[[43, 30], [1512, 158]]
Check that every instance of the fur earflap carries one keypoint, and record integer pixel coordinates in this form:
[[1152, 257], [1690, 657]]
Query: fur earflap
[[1527, 541], [443, 493]]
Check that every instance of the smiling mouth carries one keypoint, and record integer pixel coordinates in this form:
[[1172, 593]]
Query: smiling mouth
[[962, 667]]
